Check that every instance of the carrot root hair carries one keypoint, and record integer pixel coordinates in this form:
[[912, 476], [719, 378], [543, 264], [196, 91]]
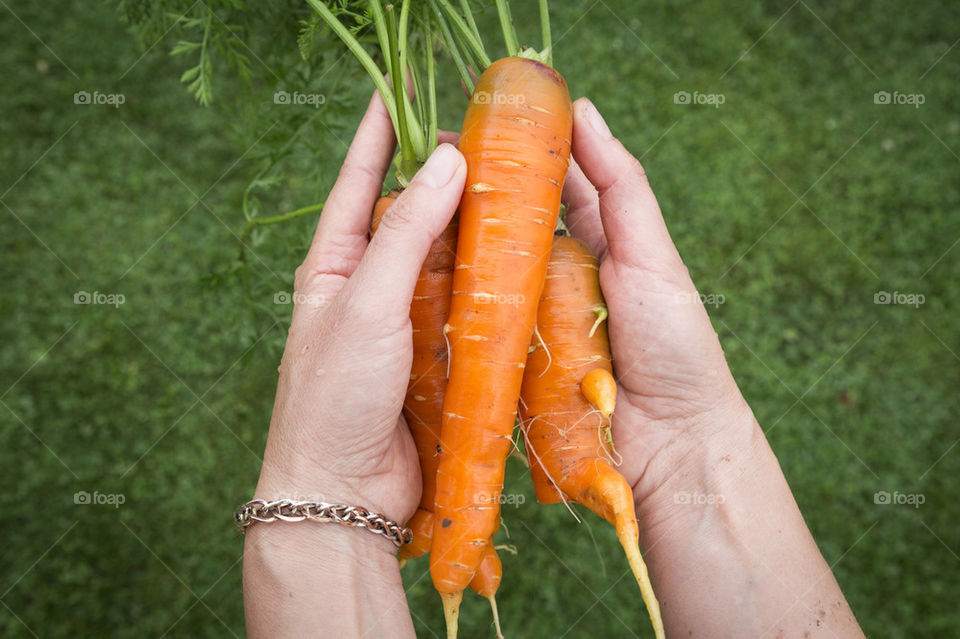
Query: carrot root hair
[[546, 349], [553, 482]]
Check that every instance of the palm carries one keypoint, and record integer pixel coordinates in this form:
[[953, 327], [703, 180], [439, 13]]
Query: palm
[[355, 387], [670, 369], [666, 356]]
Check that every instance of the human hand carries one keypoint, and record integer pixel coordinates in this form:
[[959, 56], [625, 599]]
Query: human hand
[[676, 390], [337, 433], [682, 426]]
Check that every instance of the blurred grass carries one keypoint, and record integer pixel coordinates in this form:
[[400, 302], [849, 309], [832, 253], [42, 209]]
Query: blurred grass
[[166, 401]]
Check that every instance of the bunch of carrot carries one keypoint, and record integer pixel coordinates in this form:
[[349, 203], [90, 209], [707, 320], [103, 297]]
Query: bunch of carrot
[[504, 315]]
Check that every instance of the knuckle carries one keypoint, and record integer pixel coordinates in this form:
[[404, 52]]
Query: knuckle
[[302, 276], [399, 216]]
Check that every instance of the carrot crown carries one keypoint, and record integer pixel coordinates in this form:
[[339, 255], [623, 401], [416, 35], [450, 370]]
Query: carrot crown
[[463, 42]]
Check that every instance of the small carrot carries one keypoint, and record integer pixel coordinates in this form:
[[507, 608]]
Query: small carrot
[[424, 401], [486, 581], [568, 397], [516, 142]]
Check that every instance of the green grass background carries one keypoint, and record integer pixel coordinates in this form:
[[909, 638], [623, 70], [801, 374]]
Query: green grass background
[[166, 401]]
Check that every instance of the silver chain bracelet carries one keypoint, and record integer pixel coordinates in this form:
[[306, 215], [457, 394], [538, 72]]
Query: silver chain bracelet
[[288, 510]]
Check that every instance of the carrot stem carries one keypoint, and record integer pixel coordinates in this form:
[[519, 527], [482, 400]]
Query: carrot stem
[[472, 40], [506, 24], [365, 60], [545, 36], [468, 13], [404, 20], [453, 48], [408, 159], [431, 94], [276, 219]]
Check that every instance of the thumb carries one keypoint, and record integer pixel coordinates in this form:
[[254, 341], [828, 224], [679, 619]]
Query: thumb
[[634, 228], [388, 272]]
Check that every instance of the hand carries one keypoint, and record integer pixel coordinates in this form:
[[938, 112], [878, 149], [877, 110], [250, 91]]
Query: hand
[[746, 566], [337, 433], [675, 387]]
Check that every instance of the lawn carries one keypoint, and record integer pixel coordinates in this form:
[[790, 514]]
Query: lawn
[[801, 181]]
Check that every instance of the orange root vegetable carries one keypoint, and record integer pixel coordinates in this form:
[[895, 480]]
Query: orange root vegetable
[[424, 401], [568, 396], [487, 580], [516, 142], [423, 405]]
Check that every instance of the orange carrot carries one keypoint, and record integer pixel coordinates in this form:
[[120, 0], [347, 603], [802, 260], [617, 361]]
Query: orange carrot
[[486, 581], [568, 396], [516, 142], [424, 401], [428, 375]]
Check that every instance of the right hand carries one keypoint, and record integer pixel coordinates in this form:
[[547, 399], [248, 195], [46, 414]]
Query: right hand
[[676, 392]]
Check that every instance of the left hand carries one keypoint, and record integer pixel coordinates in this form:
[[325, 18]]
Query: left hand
[[337, 434]]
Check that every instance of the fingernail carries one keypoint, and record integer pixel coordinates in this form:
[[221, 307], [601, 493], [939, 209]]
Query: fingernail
[[440, 166], [596, 121]]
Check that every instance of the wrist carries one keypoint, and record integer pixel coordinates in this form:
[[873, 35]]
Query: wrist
[[299, 483], [318, 545], [701, 468], [303, 575]]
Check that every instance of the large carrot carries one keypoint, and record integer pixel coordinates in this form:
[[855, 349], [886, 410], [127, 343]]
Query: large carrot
[[516, 142], [423, 405], [568, 396]]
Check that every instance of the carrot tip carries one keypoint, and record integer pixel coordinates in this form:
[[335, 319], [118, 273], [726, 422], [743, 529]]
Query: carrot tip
[[496, 615], [639, 569], [451, 612]]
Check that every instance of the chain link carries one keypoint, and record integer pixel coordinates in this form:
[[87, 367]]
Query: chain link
[[265, 511]]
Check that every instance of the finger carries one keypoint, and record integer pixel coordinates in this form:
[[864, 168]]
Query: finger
[[341, 235], [583, 210], [448, 137], [634, 228], [386, 276]]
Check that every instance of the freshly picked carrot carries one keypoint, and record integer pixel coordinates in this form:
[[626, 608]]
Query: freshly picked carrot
[[517, 153], [568, 397], [423, 405], [516, 141], [405, 31]]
